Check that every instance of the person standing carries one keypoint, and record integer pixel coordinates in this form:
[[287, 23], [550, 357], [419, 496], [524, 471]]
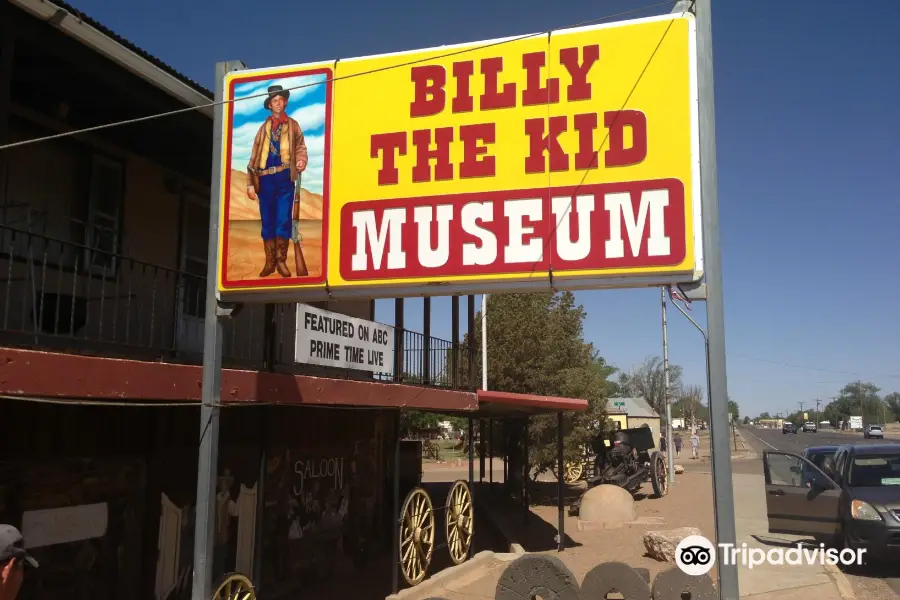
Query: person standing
[[278, 157], [676, 441], [695, 445], [13, 560]]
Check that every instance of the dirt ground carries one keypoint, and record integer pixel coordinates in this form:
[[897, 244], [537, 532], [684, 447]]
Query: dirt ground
[[245, 250], [688, 504]]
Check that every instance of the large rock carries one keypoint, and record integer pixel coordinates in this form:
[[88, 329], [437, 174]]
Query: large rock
[[661, 544], [607, 505], [679, 469]]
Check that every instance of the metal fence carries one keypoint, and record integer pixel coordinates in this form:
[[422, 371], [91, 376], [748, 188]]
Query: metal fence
[[66, 296]]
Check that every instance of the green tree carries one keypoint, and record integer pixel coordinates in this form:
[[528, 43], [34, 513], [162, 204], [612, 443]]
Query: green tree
[[746, 420], [687, 404], [648, 381], [764, 415], [536, 346], [416, 419], [893, 405], [856, 399], [734, 409]]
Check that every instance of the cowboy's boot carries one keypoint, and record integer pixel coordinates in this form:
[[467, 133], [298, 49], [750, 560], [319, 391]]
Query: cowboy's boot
[[281, 257], [269, 268]]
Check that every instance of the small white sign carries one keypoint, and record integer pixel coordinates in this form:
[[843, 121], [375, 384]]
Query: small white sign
[[52, 526], [331, 339]]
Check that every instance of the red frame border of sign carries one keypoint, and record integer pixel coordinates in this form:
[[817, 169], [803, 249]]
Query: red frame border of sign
[[326, 176]]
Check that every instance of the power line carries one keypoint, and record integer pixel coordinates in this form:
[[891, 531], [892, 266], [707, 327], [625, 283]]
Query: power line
[[808, 368], [333, 79]]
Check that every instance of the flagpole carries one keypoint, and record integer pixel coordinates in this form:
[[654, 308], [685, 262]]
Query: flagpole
[[665, 335], [484, 371]]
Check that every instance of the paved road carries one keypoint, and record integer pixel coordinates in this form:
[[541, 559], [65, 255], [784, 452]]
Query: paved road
[[870, 583]]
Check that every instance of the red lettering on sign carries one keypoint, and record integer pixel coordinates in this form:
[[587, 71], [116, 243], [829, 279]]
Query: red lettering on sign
[[579, 89], [429, 96], [601, 226], [388, 144], [462, 72], [471, 165], [492, 97], [535, 92], [585, 125], [443, 168], [618, 155], [538, 142]]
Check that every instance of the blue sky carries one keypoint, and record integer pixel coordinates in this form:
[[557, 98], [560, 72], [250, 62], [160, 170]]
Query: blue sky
[[306, 104], [808, 148]]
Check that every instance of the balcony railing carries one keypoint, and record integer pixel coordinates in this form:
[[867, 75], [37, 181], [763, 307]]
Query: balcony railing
[[64, 296]]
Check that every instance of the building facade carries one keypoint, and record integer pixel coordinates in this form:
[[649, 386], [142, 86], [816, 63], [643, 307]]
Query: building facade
[[103, 257]]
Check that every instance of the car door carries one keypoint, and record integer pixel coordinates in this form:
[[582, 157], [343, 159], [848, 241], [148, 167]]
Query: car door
[[793, 508]]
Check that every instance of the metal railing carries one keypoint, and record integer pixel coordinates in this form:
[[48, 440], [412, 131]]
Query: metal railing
[[64, 296], [430, 364]]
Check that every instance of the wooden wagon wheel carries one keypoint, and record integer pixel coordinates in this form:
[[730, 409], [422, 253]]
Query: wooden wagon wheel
[[573, 471], [659, 474], [235, 586], [460, 522], [416, 535]]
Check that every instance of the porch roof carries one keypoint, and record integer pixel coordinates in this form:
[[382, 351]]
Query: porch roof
[[78, 377], [500, 405], [510, 404]]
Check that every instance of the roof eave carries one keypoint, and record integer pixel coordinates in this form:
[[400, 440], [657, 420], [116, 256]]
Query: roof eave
[[113, 50]]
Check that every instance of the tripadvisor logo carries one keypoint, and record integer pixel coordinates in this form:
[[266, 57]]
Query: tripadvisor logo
[[696, 555]]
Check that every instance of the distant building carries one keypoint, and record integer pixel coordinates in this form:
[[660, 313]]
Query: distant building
[[633, 412]]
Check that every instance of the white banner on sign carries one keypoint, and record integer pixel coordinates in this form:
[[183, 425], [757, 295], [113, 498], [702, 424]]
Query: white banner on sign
[[331, 339]]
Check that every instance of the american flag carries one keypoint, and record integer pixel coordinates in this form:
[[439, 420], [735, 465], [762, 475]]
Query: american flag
[[675, 294]]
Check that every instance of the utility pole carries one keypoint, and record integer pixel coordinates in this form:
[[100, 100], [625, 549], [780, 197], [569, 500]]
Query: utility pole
[[801, 403], [665, 331], [817, 413]]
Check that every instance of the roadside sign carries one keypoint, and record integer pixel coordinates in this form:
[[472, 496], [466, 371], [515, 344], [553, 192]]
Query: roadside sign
[[566, 160]]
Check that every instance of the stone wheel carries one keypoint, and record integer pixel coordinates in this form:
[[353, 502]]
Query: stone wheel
[[235, 586], [416, 535], [460, 522], [659, 474]]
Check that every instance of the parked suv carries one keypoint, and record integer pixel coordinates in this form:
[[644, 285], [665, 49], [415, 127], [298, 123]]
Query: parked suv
[[873, 431], [789, 428], [854, 500], [809, 426]]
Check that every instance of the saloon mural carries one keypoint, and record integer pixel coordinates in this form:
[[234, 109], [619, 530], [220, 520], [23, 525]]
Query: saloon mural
[[276, 194], [319, 510]]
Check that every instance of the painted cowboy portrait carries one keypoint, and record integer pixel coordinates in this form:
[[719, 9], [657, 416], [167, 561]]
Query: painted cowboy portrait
[[278, 157]]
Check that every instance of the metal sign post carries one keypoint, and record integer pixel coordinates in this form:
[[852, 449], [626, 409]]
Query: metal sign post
[[208, 451], [670, 464], [723, 492]]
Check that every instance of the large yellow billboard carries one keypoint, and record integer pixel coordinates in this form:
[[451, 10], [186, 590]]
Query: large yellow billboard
[[567, 159]]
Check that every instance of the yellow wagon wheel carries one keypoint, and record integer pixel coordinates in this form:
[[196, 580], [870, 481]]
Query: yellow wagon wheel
[[235, 586], [416, 535], [573, 471], [460, 522]]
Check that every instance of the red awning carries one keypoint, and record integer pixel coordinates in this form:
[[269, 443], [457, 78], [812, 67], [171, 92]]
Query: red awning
[[508, 404]]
